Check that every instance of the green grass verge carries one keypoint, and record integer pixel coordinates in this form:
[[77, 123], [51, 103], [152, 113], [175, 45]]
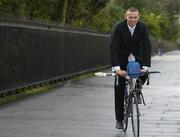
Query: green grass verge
[[22, 95]]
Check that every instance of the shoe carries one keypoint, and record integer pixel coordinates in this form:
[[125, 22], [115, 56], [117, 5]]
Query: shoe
[[119, 125]]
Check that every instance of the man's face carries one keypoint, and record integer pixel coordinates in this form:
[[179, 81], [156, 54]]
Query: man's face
[[132, 18]]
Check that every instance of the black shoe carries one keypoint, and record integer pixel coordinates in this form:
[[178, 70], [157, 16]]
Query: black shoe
[[119, 125]]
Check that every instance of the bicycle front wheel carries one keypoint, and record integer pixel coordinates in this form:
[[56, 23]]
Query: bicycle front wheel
[[126, 116], [135, 117]]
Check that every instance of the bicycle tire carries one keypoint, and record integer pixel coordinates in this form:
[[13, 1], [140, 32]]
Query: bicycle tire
[[135, 117], [126, 116], [127, 103]]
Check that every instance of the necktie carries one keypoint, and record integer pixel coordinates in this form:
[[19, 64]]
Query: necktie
[[131, 30]]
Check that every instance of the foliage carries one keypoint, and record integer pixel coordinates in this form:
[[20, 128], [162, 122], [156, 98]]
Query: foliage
[[11, 7], [82, 11], [160, 25], [39, 9], [171, 7], [159, 15], [107, 17], [135, 3], [153, 22]]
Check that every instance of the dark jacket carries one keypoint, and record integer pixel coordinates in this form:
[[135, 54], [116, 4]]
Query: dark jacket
[[122, 44]]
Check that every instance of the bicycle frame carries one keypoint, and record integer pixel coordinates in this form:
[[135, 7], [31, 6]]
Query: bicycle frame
[[135, 85]]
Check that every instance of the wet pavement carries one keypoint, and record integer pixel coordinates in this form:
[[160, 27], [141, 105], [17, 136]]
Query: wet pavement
[[85, 108]]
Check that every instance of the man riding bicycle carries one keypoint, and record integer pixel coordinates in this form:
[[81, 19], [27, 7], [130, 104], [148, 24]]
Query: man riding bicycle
[[129, 42]]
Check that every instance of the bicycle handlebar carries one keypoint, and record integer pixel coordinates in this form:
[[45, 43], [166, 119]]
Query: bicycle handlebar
[[147, 73], [103, 74], [150, 72]]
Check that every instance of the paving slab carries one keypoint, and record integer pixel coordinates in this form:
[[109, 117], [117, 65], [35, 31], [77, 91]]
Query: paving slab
[[85, 108]]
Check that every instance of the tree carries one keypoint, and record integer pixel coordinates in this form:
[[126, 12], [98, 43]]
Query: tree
[[82, 11], [64, 13], [107, 17], [40, 9], [12, 7], [160, 15], [171, 7]]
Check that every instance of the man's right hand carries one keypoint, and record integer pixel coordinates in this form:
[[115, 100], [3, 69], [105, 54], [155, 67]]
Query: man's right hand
[[121, 73]]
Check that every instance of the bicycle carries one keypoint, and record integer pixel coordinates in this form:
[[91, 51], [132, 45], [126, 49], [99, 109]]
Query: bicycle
[[131, 108]]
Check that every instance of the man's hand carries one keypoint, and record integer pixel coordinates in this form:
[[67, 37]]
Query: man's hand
[[143, 71], [121, 73]]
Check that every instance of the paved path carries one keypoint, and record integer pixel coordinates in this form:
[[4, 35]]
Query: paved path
[[85, 108]]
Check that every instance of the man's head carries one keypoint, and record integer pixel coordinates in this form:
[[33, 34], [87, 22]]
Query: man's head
[[132, 16]]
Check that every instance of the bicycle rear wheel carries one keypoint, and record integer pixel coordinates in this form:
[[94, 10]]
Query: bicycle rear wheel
[[135, 117]]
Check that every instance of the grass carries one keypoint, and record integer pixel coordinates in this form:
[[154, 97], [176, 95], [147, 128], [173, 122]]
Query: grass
[[24, 94]]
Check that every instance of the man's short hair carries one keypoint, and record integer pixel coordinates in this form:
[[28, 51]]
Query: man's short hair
[[132, 9]]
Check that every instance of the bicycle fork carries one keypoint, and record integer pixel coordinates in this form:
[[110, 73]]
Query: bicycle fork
[[141, 94]]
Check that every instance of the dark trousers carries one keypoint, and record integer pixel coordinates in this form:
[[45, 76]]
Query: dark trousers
[[119, 88]]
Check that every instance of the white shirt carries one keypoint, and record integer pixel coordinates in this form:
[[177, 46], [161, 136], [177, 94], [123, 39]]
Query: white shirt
[[131, 29]]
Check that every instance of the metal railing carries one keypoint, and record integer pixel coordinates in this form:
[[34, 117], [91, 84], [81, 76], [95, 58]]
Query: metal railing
[[32, 54]]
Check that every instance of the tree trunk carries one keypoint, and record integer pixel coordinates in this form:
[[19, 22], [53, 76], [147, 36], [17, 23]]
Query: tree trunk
[[64, 13]]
